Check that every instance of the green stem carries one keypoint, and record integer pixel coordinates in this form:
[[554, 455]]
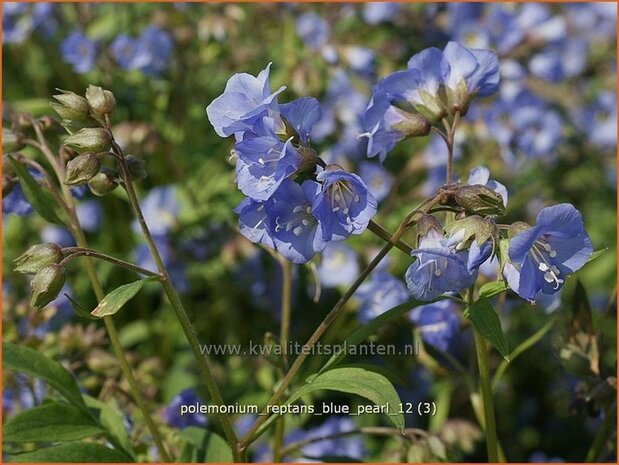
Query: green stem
[[531, 341], [251, 435], [110, 327], [481, 350], [593, 455], [280, 427], [451, 133], [76, 252], [385, 235], [177, 304]]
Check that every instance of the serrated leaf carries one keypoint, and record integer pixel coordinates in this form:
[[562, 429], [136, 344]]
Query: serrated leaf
[[372, 386], [40, 199], [204, 446], [486, 321], [73, 452], [491, 289], [116, 299], [50, 422], [30, 361]]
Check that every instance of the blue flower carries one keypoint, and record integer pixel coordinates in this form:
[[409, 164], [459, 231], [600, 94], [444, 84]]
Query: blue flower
[[312, 30], [379, 12], [360, 60], [294, 229], [342, 446], [172, 413], [89, 215], [253, 222], [481, 175], [148, 53], [160, 208], [381, 293], [57, 235], [598, 120], [245, 100], [15, 26], [338, 266], [464, 73], [264, 161], [439, 268], [380, 123], [549, 251], [343, 205], [169, 255], [79, 51], [438, 323], [377, 179], [15, 202]]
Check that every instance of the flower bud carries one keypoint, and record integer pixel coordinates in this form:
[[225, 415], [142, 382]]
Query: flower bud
[[103, 182], [411, 124], [11, 142], [46, 285], [37, 257], [101, 101], [432, 106], [479, 199], [516, 228], [458, 99], [82, 169], [90, 140], [473, 228], [70, 106], [427, 223], [137, 167]]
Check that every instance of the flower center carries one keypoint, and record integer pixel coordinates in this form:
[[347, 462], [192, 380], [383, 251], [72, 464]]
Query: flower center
[[300, 219], [542, 253], [342, 196]]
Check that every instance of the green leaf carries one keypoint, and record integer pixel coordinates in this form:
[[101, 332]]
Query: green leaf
[[366, 331], [30, 361], [112, 423], [487, 323], [204, 446], [54, 422], [78, 309], [372, 386], [494, 288], [41, 201], [116, 299], [596, 254], [73, 452]]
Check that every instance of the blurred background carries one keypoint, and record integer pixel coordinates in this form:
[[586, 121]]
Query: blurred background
[[549, 136]]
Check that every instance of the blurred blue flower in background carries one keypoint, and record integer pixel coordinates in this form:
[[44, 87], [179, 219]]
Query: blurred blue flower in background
[[149, 53], [380, 293], [438, 323], [160, 208], [339, 265], [377, 178], [379, 12], [57, 235], [172, 413], [313, 30], [79, 51], [15, 202], [89, 215]]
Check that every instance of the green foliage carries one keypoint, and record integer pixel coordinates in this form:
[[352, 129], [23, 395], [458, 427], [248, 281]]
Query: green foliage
[[85, 452], [372, 386], [116, 299], [485, 320], [203, 446]]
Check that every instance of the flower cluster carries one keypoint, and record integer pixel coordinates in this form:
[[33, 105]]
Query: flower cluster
[[148, 53], [436, 84], [295, 203]]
